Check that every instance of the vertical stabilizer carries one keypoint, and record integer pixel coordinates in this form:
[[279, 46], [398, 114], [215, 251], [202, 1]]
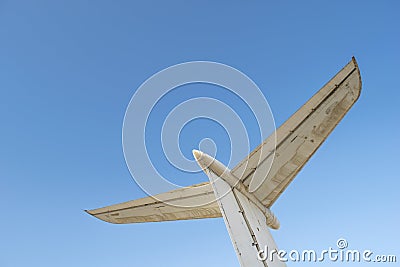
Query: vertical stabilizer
[[246, 225]]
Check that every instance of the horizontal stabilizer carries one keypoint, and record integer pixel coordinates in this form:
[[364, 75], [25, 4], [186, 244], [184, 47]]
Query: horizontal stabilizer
[[183, 204], [299, 137]]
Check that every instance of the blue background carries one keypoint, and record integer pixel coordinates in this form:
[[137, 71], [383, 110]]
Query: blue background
[[69, 68]]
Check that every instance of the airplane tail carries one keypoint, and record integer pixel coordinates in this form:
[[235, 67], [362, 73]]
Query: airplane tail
[[245, 207]]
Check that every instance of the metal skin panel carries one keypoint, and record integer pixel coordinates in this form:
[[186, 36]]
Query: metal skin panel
[[296, 141], [246, 224], [183, 205], [300, 136], [209, 163]]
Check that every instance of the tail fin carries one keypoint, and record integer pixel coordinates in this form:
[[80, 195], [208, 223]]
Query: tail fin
[[246, 224]]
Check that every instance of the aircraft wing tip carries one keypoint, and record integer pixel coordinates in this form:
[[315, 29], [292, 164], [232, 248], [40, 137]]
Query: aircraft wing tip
[[359, 77], [101, 218]]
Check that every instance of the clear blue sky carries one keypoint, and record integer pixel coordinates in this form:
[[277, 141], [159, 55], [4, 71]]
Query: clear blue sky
[[69, 68]]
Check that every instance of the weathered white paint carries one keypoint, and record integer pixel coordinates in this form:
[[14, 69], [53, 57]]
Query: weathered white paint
[[209, 163], [182, 205], [245, 222], [245, 194], [300, 136]]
